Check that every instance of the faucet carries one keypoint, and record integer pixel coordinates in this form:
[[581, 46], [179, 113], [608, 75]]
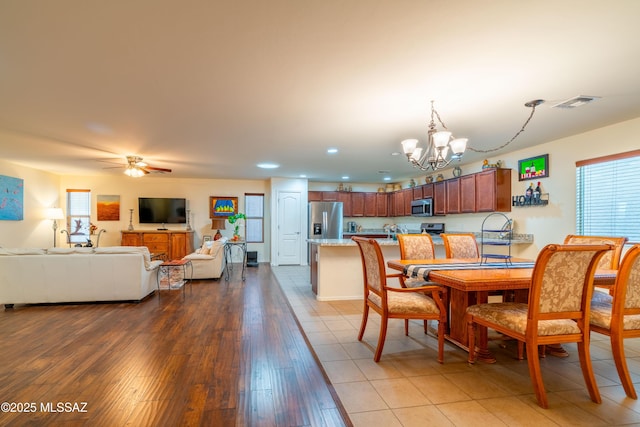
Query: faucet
[[98, 239]]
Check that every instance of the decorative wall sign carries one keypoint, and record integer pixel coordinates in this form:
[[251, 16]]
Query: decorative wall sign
[[222, 206], [11, 198], [533, 168], [108, 208]]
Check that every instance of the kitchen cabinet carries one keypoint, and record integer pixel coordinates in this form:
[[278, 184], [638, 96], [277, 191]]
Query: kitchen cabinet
[[468, 193], [314, 196], [174, 244], [427, 191], [417, 192], [453, 195], [439, 198], [329, 196], [347, 203], [357, 204], [382, 204], [371, 204], [493, 190], [408, 198]]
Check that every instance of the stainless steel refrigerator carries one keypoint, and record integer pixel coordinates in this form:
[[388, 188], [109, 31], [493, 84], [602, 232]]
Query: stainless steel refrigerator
[[325, 220]]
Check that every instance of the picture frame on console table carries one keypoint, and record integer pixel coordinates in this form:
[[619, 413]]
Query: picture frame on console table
[[222, 207], [533, 167]]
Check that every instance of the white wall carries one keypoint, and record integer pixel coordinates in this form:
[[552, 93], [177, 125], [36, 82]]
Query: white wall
[[41, 191]]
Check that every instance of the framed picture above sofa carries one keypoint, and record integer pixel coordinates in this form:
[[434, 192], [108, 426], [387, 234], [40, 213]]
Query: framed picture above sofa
[[222, 207]]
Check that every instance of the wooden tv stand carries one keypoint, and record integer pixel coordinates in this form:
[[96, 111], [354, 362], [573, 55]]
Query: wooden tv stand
[[174, 243]]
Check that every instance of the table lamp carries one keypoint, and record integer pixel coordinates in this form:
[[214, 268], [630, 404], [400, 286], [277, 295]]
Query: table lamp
[[217, 224]]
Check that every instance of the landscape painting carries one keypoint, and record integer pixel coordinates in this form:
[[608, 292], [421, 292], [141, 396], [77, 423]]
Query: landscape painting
[[11, 198], [108, 208]]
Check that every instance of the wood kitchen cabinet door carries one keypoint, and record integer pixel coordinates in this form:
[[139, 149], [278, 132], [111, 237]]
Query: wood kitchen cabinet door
[[453, 195], [370, 204], [493, 190], [357, 204], [427, 191], [439, 198], [347, 203], [315, 196], [382, 204], [468, 193], [408, 198]]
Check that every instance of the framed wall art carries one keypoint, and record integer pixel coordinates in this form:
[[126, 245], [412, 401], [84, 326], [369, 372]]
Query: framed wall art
[[533, 167], [222, 206], [108, 208], [11, 198]]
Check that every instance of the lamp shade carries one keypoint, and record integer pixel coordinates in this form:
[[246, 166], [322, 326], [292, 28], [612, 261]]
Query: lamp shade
[[217, 223], [54, 213]]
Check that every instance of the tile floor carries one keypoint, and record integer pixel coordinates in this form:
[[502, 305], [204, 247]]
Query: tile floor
[[408, 387]]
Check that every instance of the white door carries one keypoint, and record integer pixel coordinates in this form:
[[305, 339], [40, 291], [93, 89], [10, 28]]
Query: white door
[[289, 228]]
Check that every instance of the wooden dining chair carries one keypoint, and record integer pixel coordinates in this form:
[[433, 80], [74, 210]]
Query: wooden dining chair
[[460, 245], [421, 303], [611, 259], [618, 315], [557, 311], [416, 246]]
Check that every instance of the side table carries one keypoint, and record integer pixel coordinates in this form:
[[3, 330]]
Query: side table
[[228, 246], [167, 266]]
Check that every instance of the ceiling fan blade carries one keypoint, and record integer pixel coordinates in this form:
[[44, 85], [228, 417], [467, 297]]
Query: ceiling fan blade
[[153, 169]]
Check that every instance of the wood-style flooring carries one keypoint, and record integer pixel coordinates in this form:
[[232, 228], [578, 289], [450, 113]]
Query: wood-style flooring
[[223, 354]]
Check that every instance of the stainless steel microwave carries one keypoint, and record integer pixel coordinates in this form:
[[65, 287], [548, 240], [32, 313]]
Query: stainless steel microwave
[[422, 207]]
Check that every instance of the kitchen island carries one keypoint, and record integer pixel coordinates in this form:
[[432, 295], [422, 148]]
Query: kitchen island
[[336, 266]]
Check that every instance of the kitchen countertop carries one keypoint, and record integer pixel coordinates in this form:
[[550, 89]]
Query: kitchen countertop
[[518, 239]]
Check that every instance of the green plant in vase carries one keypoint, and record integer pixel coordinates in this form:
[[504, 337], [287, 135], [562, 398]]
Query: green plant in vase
[[233, 220]]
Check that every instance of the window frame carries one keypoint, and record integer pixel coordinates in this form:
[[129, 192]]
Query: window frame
[[253, 220], [78, 209]]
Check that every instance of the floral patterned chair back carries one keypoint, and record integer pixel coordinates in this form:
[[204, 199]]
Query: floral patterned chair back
[[462, 245], [611, 259], [416, 246]]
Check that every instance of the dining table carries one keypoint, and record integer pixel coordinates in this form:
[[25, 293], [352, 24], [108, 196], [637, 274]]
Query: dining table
[[470, 281]]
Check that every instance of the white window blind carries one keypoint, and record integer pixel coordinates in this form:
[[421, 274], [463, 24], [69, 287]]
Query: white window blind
[[78, 215], [606, 201], [254, 210]]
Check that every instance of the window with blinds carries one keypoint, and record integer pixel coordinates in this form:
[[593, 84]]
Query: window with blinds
[[605, 196], [254, 210], [78, 215]]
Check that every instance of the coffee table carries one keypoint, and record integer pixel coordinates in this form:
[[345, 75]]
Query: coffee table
[[166, 268]]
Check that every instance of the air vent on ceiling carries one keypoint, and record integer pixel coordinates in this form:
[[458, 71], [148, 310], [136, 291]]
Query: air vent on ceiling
[[576, 101]]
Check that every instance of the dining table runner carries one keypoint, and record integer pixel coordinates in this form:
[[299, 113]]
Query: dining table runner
[[423, 270]]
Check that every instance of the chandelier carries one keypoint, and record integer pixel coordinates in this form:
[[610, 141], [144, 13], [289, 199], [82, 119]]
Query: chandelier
[[443, 148]]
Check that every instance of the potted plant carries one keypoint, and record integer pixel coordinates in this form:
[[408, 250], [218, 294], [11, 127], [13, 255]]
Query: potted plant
[[233, 220]]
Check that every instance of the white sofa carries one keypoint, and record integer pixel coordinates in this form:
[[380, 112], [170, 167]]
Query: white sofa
[[208, 261], [117, 273]]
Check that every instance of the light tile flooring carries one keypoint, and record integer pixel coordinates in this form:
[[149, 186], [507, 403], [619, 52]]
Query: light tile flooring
[[408, 387]]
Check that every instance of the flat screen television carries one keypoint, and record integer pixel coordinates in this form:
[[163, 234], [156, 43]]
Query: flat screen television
[[162, 210]]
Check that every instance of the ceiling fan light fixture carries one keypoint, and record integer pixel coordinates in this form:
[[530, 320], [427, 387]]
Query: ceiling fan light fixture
[[133, 172]]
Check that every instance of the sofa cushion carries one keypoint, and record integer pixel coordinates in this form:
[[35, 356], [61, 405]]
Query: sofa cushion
[[22, 251], [143, 250], [74, 250]]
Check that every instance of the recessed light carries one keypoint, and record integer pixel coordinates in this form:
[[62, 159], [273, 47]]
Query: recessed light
[[303, 176], [332, 151], [396, 153], [268, 165], [345, 177], [387, 178]]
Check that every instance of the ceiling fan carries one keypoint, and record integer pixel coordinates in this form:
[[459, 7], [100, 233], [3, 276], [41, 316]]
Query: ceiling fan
[[136, 168]]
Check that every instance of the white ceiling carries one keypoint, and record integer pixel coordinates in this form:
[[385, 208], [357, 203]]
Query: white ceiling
[[210, 88]]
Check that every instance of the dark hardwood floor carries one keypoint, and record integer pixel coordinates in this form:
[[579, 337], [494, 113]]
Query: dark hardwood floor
[[224, 354]]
